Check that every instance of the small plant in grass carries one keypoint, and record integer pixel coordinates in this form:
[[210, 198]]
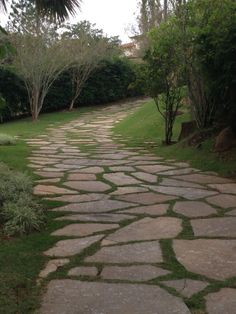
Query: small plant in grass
[[6, 139], [19, 213]]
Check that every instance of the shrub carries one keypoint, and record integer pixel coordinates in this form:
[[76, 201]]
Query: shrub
[[19, 213], [21, 218], [6, 139]]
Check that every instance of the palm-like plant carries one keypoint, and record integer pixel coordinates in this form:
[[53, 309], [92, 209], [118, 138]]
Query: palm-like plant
[[57, 9]]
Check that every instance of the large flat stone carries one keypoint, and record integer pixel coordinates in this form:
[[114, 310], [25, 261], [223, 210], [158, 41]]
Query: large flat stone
[[188, 193], [83, 229], [212, 258], [148, 198], [79, 198], [179, 172], [186, 287], [81, 177], [145, 176], [203, 178], [75, 297], [155, 168], [194, 209], [221, 302], [129, 190], [88, 186], [133, 273], [154, 210], [50, 190], [147, 252], [52, 266], [223, 200], [225, 188], [231, 212], [146, 229], [72, 247], [120, 179], [94, 207], [97, 217], [215, 227], [48, 174], [83, 271], [179, 183], [93, 170]]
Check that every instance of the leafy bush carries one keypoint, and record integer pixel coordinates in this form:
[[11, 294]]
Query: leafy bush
[[6, 139], [21, 218], [19, 213]]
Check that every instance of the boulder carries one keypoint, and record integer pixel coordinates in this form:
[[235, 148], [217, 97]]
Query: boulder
[[225, 140]]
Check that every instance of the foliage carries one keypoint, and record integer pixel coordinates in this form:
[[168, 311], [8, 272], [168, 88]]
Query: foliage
[[19, 213], [165, 78], [6, 139]]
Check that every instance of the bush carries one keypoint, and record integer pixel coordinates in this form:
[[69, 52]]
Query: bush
[[6, 139], [19, 213]]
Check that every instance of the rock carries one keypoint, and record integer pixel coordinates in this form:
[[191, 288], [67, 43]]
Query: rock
[[148, 198], [120, 179], [186, 287], [145, 176], [223, 301], [225, 188], [147, 229], [215, 227], [153, 210], [72, 247], [76, 297], [50, 190], [211, 258], [83, 271], [223, 200], [89, 186], [133, 273], [52, 266], [225, 140], [202, 178], [155, 168], [194, 209], [147, 252], [98, 217]]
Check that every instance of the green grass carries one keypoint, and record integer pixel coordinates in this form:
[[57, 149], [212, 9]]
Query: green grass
[[147, 125]]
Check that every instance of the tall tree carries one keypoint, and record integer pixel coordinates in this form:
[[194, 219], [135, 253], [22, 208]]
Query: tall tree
[[56, 9]]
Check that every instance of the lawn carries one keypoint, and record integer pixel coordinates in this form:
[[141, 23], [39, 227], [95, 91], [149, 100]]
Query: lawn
[[146, 125], [21, 258]]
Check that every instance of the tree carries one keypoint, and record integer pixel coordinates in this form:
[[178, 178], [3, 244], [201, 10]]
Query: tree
[[39, 65], [164, 59], [57, 9], [87, 46]]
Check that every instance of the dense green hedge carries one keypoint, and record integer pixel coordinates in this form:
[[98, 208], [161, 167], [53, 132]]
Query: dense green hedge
[[112, 80]]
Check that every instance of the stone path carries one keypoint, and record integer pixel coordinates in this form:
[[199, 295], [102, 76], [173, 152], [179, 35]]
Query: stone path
[[139, 234]]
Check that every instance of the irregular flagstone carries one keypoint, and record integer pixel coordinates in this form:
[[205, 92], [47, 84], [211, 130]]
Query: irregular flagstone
[[223, 200], [146, 252], [120, 178], [194, 209], [48, 174], [145, 177], [215, 227], [81, 177], [84, 229], [72, 247], [188, 193], [52, 266], [93, 170], [155, 168], [133, 273], [146, 198], [49, 180], [97, 217], [89, 186], [179, 172], [94, 207], [129, 190], [203, 178], [79, 198], [83, 271], [50, 189], [225, 188], [76, 297], [186, 287], [154, 210], [146, 229], [122, 168], [179, 183], [223, 301], [212, 258]]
